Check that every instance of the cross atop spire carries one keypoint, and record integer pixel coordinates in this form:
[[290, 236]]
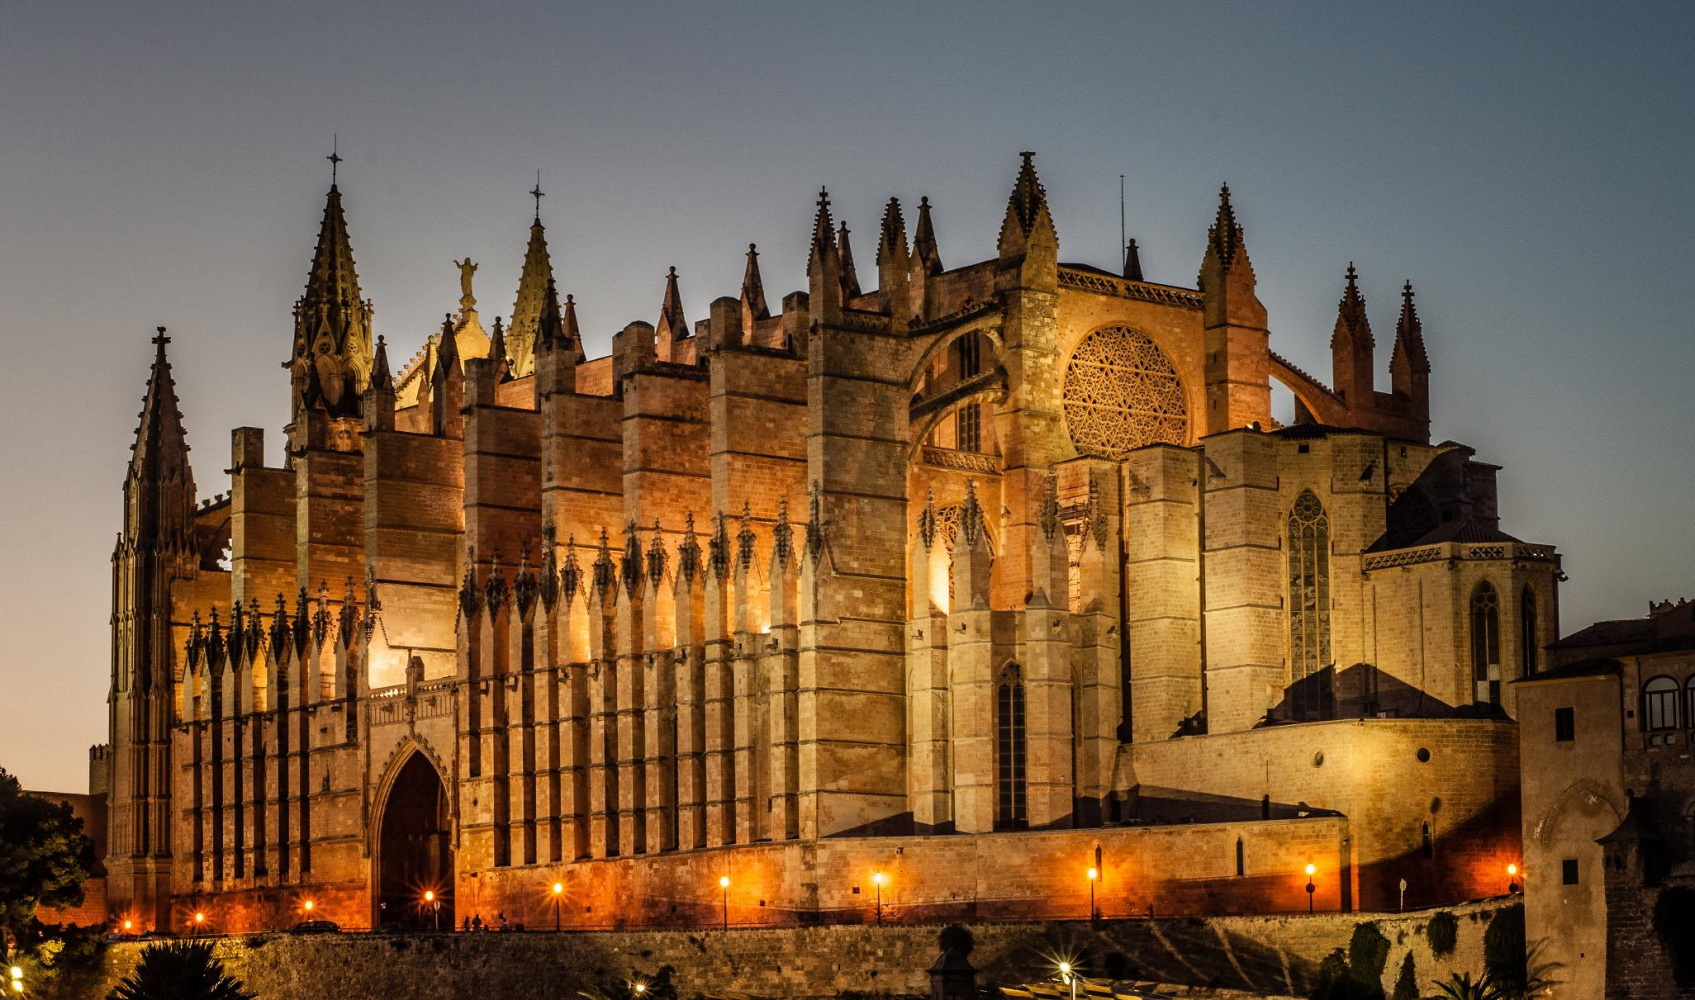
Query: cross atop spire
[[538, 194], [161, 445], [533, 281], [1028, 195], [334, 158], [1409, 337], [1224, 238], [1351, 310]]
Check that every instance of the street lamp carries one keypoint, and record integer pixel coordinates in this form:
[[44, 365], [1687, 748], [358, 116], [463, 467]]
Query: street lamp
[[1094, 873], [1069, 977], [17, 979], [558, 890], [435, 908], [879, 878], [640, 988], [1512, 878], [307, 906], [1311, 868], [724, 884], [129, 925], [199, 922]]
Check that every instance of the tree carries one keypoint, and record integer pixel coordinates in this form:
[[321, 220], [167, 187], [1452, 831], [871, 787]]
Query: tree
[[179, 970], [1444, 933], [957, 939], [1461, 987], [1406, 984], [44, 856], [1503, 950]]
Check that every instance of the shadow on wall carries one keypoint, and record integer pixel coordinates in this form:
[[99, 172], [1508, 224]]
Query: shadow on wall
[[1192, 951], [1364, 692], [1487, 843]]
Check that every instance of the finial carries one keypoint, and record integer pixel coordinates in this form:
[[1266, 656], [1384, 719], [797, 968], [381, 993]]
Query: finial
[[334, 158], [537, 193], [160, 338]]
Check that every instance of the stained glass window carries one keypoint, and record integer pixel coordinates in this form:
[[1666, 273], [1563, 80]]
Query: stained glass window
[[1121, 393], [1309, 587]]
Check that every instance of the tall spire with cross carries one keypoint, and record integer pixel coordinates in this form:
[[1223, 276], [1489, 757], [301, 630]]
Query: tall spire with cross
[[533, 282], [331, 360]]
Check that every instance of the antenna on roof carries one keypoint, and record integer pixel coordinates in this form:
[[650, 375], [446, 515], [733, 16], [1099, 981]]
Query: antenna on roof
[[1121, 233]]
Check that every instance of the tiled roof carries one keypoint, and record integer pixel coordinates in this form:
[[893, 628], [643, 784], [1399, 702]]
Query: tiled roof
[[1594, 666]]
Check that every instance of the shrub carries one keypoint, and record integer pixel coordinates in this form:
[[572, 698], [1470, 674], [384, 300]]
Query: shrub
[[179, 970], [1503, 950], [957, 939], [1444, 934], [1461, 987], [1368, 953], [1674, 925], [1406, 984]]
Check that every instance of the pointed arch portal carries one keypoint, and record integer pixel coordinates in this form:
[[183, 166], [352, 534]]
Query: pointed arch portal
[[413, 855]]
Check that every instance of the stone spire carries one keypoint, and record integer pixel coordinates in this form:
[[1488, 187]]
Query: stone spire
[[497, 353], [1132, 262], [533, 283], [823, 235], [332, 321], [850, 279], [924, 240], [1409, 337], [380, 377], [893, 257], [447, 383], [160, 451], [753, 293], [1226, 248], [671, 326], [1351, 345], [1027, 216]]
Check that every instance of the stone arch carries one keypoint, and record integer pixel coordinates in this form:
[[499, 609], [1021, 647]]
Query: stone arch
[[1319, 401], [1595, 792], [411, 838], [1120, 391], [929, 405]]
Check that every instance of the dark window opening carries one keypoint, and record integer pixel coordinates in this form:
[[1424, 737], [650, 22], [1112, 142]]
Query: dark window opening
[[1565, 725], [1426, 847], [1241, 867], [1528, 643], [968, 428], [1659, 704], [1568, 871], [1010, 812]]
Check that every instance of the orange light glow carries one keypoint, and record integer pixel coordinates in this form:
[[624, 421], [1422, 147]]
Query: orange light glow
[[429, 895], [558, 887], [129, 925], [723, 881], [880, 878], [199, 917], [1311, 869], [1512, 869], [1093, 874], [309, 905]]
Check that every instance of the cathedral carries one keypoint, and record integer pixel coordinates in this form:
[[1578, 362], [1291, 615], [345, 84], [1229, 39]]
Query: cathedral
[[994, 588]]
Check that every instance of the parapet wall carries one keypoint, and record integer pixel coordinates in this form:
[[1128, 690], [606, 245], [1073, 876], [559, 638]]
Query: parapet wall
[[1274, 956]]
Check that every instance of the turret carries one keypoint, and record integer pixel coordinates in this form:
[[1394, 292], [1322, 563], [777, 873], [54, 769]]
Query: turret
[[1238, 386], [155, 548], [1352, 347]]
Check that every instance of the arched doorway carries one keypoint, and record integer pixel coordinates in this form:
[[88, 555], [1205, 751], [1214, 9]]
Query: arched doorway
[[413, 854]]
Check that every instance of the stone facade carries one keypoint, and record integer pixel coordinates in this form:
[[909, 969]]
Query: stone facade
[[1609, 799], [1003, 569]]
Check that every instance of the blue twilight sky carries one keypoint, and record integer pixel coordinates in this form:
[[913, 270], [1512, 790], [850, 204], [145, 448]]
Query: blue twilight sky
[[1527, 166]]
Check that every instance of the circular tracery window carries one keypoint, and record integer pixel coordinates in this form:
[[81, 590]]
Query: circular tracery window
[[1121, 393]]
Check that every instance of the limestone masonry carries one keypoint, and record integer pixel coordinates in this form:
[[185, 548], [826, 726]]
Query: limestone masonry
[[979, 580]]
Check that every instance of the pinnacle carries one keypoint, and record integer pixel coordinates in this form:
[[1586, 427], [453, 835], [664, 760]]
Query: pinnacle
[[754, 306], [1028, 196], [892, 238], [850, 280], [671, 311], [1224, 238], [1132, 262], [823, 232], [380, 377], [924, 240], [530, 304]]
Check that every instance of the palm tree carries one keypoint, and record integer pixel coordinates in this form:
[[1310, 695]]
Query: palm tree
[[1460, 987], [179, 970]]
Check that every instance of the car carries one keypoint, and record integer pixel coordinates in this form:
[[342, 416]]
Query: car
[[316, 927]]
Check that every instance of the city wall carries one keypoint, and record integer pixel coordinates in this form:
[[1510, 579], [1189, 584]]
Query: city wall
[[1269, 955]]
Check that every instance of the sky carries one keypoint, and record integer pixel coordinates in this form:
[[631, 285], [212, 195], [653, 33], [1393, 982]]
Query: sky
[[1527, 167]]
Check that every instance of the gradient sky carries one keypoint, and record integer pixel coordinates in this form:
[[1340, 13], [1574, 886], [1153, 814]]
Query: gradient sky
[[1528, 168]]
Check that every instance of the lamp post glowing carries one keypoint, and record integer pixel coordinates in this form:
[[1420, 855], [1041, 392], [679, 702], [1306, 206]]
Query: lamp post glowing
[[1512, 878], [129, 925], [435, 908], [1311, 868], [724, 884], [199, 922], [307, 906], [1094, 874], [17, 979], [1068, 976], [640, 988], [878, 878], [558, 890]]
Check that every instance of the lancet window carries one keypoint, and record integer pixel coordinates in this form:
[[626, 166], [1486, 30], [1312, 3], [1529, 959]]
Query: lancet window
[[1309, 587], [1486, 643], [1528, 643], [1010, 808]]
